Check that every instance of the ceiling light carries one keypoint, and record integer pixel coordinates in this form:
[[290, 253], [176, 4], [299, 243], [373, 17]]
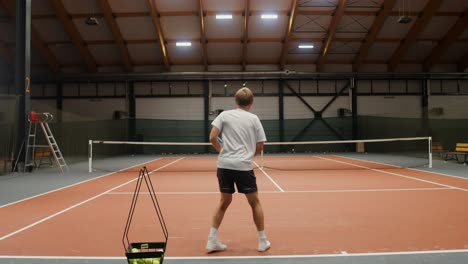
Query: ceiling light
[[269, 16], [404, 20], [306, 46], [183, 44], [224, 16], [91, 21]]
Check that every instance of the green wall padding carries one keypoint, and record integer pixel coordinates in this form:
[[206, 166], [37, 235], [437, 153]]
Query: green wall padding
[[73, 136]]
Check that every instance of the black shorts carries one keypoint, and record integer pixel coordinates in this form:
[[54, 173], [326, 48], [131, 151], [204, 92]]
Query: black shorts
[[245, 181]]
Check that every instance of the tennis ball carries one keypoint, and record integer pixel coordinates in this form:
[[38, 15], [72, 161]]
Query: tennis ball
[[153, 261], [135, 250]]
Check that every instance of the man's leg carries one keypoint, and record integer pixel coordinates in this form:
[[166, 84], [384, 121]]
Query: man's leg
[[257, 212], [213, 243], [225, 201]]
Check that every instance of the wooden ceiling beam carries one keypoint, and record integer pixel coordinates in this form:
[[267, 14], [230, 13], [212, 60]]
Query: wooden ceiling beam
[[287, 37], [238, 40], [159, 32], [371, 13], [240, 13], [418, 14], [339, 12], [10, 7], [418, 26], [6, 54], [109, 17], [454, 32], [237, 62], [463, 63], [245, 39], [373, 32], [201, 17], [45, 52], [74, 34]]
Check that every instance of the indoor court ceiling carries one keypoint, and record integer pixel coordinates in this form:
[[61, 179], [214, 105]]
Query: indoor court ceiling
[[142, 35]]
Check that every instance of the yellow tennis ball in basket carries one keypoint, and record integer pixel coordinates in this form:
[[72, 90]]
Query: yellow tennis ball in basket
[[148, 261], [154, 261], [134, 261]]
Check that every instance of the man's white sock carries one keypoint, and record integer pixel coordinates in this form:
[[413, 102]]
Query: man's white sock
[[213, 232], [261, 234]]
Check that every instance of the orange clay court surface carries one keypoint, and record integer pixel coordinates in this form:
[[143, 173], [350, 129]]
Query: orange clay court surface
[[345, 210]]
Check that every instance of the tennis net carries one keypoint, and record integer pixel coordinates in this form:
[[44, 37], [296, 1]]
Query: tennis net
[[312, 155]]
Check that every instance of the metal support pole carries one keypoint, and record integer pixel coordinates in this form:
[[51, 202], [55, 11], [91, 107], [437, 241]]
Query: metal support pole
[[22, 71], [281, 110], [430, 151], [90, 156], [206, 111], [59, 101], [131, 111], [354, 109], [425, 106]]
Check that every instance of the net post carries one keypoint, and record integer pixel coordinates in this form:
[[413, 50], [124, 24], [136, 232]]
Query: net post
[[90, 156], [430, 151]]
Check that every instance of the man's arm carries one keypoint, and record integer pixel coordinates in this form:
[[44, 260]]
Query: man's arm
[[214, 138], [259, 148]]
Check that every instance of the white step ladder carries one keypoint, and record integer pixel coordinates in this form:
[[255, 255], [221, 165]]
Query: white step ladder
[[42, 119]]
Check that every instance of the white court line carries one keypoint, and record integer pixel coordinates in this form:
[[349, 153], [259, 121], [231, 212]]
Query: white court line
[[439, 173], [274, 192], [396, 174], [68, 186], [268, 176], [396, 253], [372, 190], [383, 163], [78, 204]]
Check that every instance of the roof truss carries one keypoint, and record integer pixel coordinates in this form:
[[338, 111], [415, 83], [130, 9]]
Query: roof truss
[[428, 12], [245, 39], [73, 33], [339, 12], [253, 13], [463, 63], [452, 35], [201, 16], [6, 54], [159, 32], [10, 8], [287, 38], [373, 32], [107, 11], [240, 40]]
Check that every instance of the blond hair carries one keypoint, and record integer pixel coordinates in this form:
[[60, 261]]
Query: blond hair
[[244, 97]]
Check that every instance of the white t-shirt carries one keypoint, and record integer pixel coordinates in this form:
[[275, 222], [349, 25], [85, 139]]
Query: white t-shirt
[[240, 131]]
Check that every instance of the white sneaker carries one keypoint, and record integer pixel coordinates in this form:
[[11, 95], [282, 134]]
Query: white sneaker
[[214, 245], [263, 245]]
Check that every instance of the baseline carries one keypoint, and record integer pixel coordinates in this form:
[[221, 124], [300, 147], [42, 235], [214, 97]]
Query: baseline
[[343, 254]]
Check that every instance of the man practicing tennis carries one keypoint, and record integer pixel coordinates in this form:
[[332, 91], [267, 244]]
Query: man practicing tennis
[[242, 138]]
